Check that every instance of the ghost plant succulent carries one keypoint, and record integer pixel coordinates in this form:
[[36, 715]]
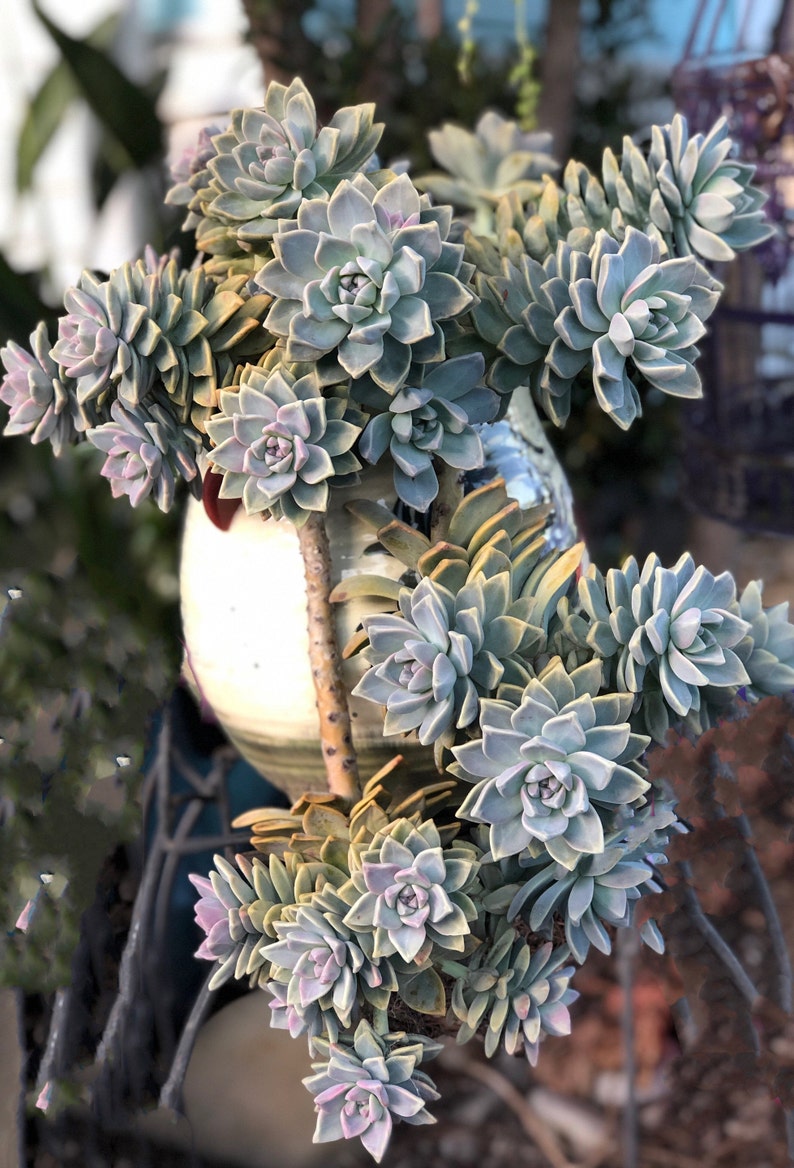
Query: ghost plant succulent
[[411, 893], [279, 440], [368, 275], [548, 772], [339, 316], [362, 1088]]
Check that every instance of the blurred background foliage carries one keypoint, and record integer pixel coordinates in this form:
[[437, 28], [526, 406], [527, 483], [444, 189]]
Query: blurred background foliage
[[89, 643]]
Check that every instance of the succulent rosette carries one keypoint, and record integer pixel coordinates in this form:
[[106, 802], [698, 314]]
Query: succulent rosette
[[432, 417], [320, 961], [258, 171], [362, 1088], [636, 313], [602, 889], [515, 994], [278, 441], [546, 772], [767, 652], [39, 394], [367, 275], [430, 664], [237, 907], [411, 893], [146, 453], [483, 166], [150, 325], [621, 316], [702, 199], [666, 632]]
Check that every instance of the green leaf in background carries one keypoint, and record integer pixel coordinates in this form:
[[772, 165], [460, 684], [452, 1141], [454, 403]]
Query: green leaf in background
[[48, 107], [121, 106], [20, 306]]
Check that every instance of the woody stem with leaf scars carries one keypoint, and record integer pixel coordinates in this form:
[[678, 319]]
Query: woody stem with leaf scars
[[339, 756]]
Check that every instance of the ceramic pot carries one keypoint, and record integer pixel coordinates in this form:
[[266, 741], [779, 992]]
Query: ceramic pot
[[244, 611]]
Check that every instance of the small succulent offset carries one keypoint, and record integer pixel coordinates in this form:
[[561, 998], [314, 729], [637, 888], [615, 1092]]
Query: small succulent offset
[[362, 1088], [517, 994], [431, 418], [336, 317], [147, 452], [40, 396]]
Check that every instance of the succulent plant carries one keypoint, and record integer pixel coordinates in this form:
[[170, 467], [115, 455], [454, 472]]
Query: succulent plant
[[362, 1088], [767, 652], [690, 190], [687, 193], [429, 418], [279, 440], [40, 396], [602, 889], [618, 317], [411, 893], [236, 908], [571, 213], [320, 961], [255, 894], [515, 994], [367, 275], [268, 161], [146, 452], [666, 632], [152, 324], [544, 770], [430, 664], [499, 157]]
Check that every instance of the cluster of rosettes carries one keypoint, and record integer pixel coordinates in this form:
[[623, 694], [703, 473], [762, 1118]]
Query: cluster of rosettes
[[366, 930], [598, 284], [615, 318]]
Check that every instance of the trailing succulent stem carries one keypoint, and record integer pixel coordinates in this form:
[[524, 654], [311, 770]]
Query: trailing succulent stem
[[339, 756]]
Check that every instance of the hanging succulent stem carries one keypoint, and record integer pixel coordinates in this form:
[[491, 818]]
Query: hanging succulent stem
[[450, 493], [339, 756]]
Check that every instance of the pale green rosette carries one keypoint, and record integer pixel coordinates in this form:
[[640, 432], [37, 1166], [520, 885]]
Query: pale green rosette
[[367, 275], [410, 893], [279, 441], [431, 663], [516, 994], [549, 772], [666, 633], [767, 652]]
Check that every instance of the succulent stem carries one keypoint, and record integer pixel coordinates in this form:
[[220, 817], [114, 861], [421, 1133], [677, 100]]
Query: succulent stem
[[450, 493], [339, 756]]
